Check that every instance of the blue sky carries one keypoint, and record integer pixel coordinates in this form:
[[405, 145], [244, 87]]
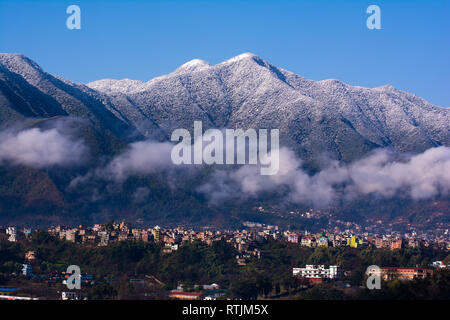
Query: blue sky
[[316, 39]]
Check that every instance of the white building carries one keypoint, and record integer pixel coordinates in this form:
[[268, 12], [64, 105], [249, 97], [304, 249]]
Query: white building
[[69, 295], [12, 232], [312, 271]]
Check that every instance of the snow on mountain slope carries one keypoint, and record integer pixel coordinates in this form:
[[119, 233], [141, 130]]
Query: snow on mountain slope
[[115, 86], [28, 91], [313, 116]]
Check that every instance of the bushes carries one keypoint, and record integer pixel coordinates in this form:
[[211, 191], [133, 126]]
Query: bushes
[[321, 292], [102, 292]]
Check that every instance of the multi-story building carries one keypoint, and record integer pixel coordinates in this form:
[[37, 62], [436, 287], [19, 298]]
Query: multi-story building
[[396, 244], [12, 232], [104, 238], [322, 242], [157, 234], [353, 242], [312, 271], [71, 235], [401, 273]]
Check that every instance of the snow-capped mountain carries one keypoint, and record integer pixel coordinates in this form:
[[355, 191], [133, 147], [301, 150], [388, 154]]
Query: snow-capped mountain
[[27, 91], [244, 92], [313, 116]]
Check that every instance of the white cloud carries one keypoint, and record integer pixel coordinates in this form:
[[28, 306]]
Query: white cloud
[[141, 158], [383, 173], [41, 148], [420, 176]]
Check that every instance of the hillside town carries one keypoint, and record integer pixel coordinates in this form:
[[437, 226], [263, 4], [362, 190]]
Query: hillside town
[[245, 242]]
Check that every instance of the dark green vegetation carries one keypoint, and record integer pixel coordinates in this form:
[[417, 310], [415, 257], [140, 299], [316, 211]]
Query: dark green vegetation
[[197, 263]]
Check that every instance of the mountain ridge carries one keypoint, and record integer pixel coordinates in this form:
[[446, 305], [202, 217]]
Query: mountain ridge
[[315, 118], [248, 91], [244, 92]]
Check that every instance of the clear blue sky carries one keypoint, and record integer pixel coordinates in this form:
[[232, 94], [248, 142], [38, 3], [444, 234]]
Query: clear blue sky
[[316, 39]]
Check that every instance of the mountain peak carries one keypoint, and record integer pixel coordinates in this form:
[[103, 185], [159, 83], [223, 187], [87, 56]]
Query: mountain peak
[[194, 64], [5, 56], [243, 56], [198, 64], [244, 91], [386, 87], [12, 61]]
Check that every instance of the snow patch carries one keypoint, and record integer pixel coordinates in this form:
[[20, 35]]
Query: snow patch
[[194, 64]]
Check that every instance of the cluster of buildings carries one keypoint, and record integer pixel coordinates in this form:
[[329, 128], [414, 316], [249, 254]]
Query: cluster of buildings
[[171, 239], [246, 243], [243, 240], [13, 234], [348, 238], [318, 273]]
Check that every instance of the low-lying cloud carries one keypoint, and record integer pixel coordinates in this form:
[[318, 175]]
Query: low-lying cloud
[[41, 148], [382, 173], [421, 176], [141, 158]]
